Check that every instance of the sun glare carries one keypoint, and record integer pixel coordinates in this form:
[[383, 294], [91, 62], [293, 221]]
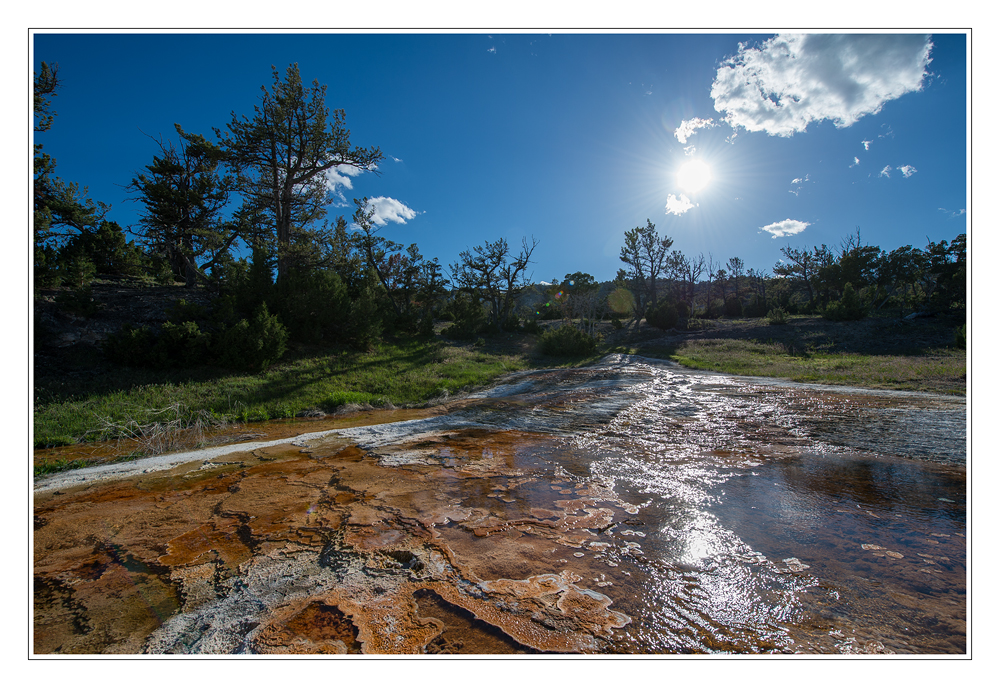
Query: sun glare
[[694, 175]]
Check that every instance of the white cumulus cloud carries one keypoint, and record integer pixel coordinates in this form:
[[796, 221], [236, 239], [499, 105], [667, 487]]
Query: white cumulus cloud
[[390, 210], [794, 79], [907, 170], [689, 126], [866, 144], [856, 162], [885, 171], [678, 205], [340, 176], [784, 228]]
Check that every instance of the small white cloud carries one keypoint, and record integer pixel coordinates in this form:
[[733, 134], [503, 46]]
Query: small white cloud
[[952, 213], [390, 210], [395, 159], [907, 170], [678, 205], [689, 150], [885, 171], [784, 228], [856, 162], [798, 181], [491, 50], [793, 79], [689, 126], [866, 144]]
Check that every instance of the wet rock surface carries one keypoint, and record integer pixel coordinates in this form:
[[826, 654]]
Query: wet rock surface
[[628, 507]]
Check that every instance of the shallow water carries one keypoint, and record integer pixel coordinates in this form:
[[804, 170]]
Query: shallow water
[[628, 507]]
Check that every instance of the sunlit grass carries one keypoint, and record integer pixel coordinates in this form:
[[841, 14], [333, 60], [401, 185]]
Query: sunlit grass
[[397, 374], [943, 370]]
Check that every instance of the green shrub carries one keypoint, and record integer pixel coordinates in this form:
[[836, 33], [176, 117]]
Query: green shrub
[[181, 345], [130, 346], [715, 309], [960, 337], [182, 311], [734, 307], [756, 307], [664, 316], [78, 302], [469, 318], [849, 307], [365, 318], [253, 345], [78, 270], [532, 327], [683, 310], [108, 250], [512, 323], [777, 316], [616, 323], [566, 341], [46, 272], [313, 305]]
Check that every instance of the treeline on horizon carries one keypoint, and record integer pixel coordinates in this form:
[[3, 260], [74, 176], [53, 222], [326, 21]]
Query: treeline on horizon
[[262, 185]]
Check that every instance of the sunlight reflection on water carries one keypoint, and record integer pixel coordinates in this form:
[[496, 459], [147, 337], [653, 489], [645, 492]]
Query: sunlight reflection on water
[[627, 507]]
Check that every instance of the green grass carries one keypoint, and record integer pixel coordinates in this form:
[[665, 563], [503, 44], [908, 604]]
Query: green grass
[[127, 399], [941, 371]]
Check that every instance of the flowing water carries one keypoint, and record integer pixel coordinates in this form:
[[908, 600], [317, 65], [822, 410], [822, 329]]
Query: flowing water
[[628, 507]]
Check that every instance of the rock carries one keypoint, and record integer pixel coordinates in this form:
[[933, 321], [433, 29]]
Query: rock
[[795, 565]]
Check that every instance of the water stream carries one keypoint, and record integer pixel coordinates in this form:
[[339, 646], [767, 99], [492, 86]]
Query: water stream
[[627, 507]]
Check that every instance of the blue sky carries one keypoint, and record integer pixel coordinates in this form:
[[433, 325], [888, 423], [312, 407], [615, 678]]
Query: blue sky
[[570, 138]]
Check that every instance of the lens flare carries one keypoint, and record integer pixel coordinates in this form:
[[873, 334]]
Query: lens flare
[[694, 175]]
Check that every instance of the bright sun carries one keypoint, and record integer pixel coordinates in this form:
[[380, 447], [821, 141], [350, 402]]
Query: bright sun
[[694, 175]]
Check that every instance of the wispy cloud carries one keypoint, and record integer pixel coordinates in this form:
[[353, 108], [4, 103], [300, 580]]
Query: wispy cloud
[[907, 170], [855, 163], [885, 171], [784, 228], [797, 183], [953, 213], [390, 210], [678, 205], [339, 178], [794, 79], [689, 126], [866, 144]]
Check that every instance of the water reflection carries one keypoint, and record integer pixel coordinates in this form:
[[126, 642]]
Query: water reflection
[[626, 507]]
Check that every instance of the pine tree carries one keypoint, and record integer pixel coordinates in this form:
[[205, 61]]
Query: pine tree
[[282, 154]]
